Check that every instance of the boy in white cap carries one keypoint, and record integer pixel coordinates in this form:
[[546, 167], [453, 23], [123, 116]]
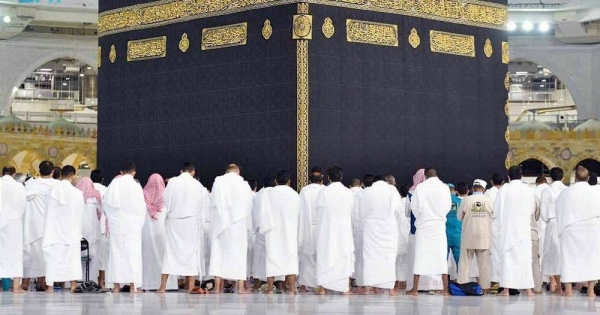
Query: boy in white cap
[[476, 213]]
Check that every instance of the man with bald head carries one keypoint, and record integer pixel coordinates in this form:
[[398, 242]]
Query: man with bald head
[[578, 221], [231, 205]]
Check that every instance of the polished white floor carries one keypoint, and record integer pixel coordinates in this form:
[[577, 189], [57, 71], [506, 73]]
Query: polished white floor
[[180, 303]]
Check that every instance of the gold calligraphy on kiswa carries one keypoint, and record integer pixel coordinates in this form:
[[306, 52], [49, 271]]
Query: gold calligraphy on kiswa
[[371, 33], [224, 36], [451, 43], [158, 13], [149, 48]]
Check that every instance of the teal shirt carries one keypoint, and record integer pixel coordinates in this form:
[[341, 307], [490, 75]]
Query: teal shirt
[[453, 225]]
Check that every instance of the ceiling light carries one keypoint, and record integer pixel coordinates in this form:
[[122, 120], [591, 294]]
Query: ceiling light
[[541, 85], [527, 26], [81, 74], [544, 80], [544, 27], [44, 69], [521, 72], [89, 68], [68, 79], [511, 26], [7, 19], [64, 84]]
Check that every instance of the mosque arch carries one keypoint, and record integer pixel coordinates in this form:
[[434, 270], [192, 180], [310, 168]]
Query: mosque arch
[[77, 160], [536, 166], [591, 163], [27, 162]]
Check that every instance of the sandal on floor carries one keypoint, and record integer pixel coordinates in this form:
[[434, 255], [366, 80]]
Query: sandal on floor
[[197, 290], [79, 289]]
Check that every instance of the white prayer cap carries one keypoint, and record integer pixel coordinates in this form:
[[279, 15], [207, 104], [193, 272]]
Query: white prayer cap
[[480, 182]]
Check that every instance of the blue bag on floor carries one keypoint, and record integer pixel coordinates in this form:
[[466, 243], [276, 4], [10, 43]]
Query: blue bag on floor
[[465, 289]]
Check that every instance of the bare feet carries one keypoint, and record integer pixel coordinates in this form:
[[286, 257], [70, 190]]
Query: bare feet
[[50, 290], [412, 292], [394, 292], [378, 291], [446, 293], [591, 294], [348, 293], [242, 290], [529, 292], [537, 292], [503, 293], [18, 290], [162, 290]]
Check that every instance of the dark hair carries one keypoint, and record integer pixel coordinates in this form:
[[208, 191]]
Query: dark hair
[[315, 177], [128, 167], [430, 172], [462, 188], [57, 172], [403, 189], [390, 179], [283, 177], [497, 179], [253, 183], [593, 180], [46, 168], [316, 169], [541, 180], [232, 167], [355, 182], [188, 167], [515, 172], [269, 181], [378, 178], [97, 176], [68, 170], [9, 170], [368, 180], [557, 173], [335, 173], [581, 174]]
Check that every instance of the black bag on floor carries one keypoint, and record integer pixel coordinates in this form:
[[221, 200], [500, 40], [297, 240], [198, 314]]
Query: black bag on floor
[[465, 289]]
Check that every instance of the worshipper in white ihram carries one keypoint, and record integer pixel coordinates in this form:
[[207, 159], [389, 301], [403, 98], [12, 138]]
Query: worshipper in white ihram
[[278, 217], [307, 232], [403, 263], [357, 232], [97, 178], [538, 232], [335, 248], [153, 235], [231, 204], [513, 208], [36, 190], [430, 205], [62, 232], [91, 222], [125, 210], [186, 201], [379, 206], [578, 221], [476, 213], [12, 207], [551, 252], [497, 182], [259, 271]]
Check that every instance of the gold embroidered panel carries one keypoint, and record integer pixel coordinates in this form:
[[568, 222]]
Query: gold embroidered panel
[[224, 36], [505, 57], [149, 48], [451, 43], [371, 33], [158, 13]]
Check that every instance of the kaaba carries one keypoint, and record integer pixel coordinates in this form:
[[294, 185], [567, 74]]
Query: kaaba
[[375, 86]]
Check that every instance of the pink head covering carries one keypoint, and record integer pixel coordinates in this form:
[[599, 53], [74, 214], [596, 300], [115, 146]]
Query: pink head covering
[[153, 194], [89, 192], [418, 178]]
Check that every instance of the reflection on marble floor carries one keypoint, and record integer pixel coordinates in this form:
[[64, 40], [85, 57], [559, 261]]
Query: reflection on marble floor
[[180, 303]]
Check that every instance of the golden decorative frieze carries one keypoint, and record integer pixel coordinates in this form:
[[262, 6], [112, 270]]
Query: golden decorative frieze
[[302, 27], [328, 28], [507, 109], [302, 105], [371, 33], [99, 57], [157, 13], [507, 135], [112, 55], [224, 36], [184, 43], [487, 48], [267, 30], [507, 81], [148, 48], [451, 43], [505, 58], [413, 39]]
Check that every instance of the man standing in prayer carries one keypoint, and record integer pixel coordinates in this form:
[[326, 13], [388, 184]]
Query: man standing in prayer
[[186, 201], [538, 234], [278, 217], [36, 190], [62, 232], [259, 263], [97, 178], [12, 207], [476, 212], [379, 207], [578, 221], [125, 210], [497, 182], [231, 204], [307, 228], [551, 252], [403, 262], [430, 204], [91, 222], [335, 249], [357, 234], [513, 209]]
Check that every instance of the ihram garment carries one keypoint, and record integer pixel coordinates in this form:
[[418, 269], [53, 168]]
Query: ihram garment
[[12, 207]]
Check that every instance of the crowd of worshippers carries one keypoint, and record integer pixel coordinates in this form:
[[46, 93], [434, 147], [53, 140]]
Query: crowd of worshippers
[[371, 237]]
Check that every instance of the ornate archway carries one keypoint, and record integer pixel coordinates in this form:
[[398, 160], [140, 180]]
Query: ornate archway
[[26, 162]]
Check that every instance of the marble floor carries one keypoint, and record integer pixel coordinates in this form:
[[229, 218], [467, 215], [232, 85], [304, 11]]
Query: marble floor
[[259, 304]]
